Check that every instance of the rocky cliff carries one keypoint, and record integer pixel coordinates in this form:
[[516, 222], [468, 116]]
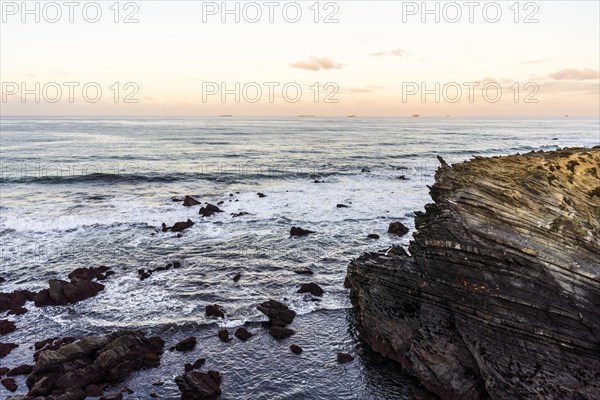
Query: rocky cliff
[[500, 295]]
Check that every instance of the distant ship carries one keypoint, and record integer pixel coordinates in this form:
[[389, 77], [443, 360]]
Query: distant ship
[[352, 116], [567, 115], [415, 115], [226, 115], [305, 115]]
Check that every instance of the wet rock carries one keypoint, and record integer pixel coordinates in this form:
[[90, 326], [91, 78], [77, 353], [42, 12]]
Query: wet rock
[[279, 314], [51, 344], [189, 201], [402, 178], [311, 288], [10, 384], [3, 370], [343, 358], [14, 302], [364, 170], [209, 210], [261, 195], [62, 292], [2, 280], [397, 228], [94, 391], [224, 335], [240, 214], [296, 231], [187, 367], [178, 227], [20, 370], [499, 295], [6, 348], [296, 349], [7, 327], [186, 344], [372, 236], [196, 385], [215, 310], [280, 333], [88, 274], [237, 277], [93, 360], [303, 271], [242, 334], [342, 206]]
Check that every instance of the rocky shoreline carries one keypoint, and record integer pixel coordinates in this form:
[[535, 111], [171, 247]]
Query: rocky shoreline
[[500, 294]]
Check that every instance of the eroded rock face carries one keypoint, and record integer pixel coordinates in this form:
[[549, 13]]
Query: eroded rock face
[[501, 294], [93, 360]]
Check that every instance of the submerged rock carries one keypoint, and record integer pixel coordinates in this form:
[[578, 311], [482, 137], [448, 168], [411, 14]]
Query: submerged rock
[[372, 236], [280, 332], [14, 302], [10, 384], [500, 294], [93, 360], [196, 385]]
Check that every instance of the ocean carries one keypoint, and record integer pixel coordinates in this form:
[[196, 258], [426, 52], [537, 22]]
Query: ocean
[[85, 192]]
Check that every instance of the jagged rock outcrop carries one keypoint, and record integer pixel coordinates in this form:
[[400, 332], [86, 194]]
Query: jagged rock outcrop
[[500, 296], [93, 360]]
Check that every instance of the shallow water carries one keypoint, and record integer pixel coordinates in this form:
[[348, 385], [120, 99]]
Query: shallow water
[[87, 192]]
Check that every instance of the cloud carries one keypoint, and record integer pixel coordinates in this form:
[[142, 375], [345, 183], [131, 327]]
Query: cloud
[[317, 64], [398, 52], [538, 61], [57, 71], [572, 74]]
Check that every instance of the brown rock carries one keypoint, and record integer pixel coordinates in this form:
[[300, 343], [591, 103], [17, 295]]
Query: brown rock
[[186, 344], [3, 370], [7, 327], [99, 360], [397, 228], [94, 391], [189, 201], [279, 314], [196, 385], [20, 370], [6, 348], [311, 288], [10, 384], [215, 310], [372, 236], [224, 335], [343, 358], [296, 231], [242, 334], [280, 333], [296, 349], [209, 210]]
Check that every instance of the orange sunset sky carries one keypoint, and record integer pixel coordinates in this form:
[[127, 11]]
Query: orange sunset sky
[[369, 58]]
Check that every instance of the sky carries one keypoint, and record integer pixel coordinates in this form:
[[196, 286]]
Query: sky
[[263, 58]]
